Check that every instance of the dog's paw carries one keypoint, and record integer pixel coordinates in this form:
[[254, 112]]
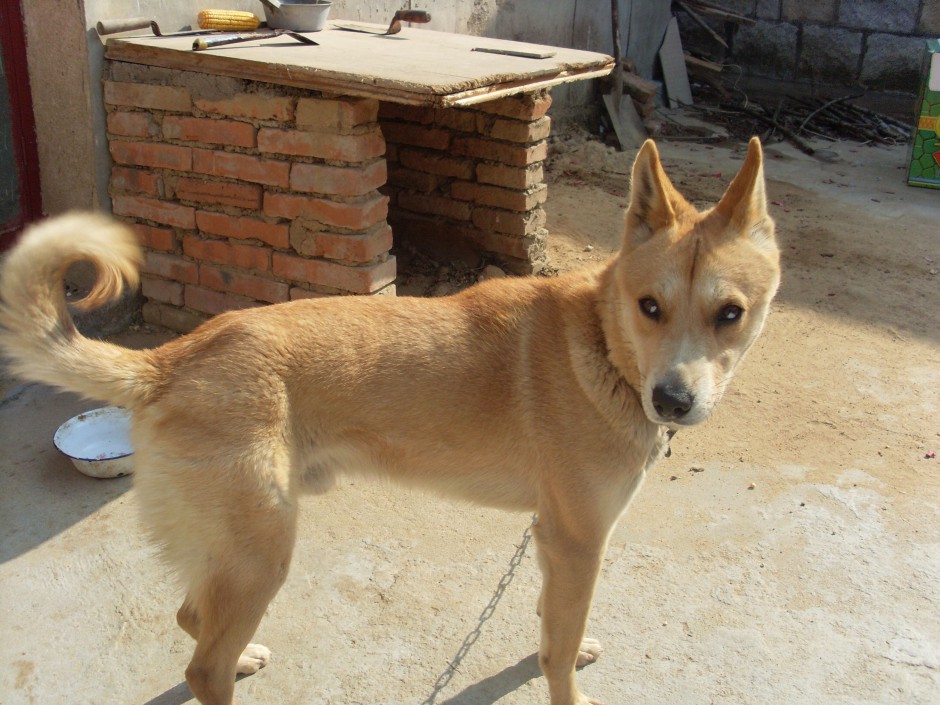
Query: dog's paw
[[253, 659], [588, 652]]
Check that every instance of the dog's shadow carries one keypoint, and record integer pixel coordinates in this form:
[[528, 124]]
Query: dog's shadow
[[491, 689], [486, 692], [177, 695]]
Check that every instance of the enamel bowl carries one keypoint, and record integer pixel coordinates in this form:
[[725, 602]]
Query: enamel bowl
[[98, 442]]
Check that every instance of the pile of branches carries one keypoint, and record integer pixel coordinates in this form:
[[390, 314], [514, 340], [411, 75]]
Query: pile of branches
[[796, 118]]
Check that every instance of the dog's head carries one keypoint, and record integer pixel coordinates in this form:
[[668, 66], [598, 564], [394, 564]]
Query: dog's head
[[694, 287]]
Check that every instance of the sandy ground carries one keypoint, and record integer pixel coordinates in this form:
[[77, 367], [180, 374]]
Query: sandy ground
[[819, 585]]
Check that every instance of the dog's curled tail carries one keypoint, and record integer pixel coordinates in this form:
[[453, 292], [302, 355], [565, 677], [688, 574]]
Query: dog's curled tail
[[37, 334]]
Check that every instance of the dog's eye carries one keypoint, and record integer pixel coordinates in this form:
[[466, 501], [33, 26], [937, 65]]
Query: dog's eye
[[730, 314], [650, 308]]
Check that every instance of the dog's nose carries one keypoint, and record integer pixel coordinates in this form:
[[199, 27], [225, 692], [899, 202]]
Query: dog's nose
[[672, 401]]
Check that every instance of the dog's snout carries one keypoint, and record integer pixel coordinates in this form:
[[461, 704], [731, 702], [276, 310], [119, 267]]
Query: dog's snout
[[672, 401]]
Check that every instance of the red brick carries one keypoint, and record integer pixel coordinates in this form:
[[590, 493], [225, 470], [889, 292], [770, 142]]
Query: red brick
[[134, 181], [223, 193], [526, 248], [190, 129], [417, 135], [297, 293], [352, 247], [172, 214], [248, 285], [271, 172], [336, 115], [408, 113], [357, 280], [361, 147], [435, 205], [503, 152], [137, 124], [169, 292], [152, 154], [354, 215], [439, 164], [459, 119], [243, 228], [221, 252], [509, 222], [509, 199], [527, 106], [391, 192], [510, 176], [412, 179], [215, 302], [170, 267], [155, 238], [141, 95], [257, 106], [172, 317], [521, 131], [338, 180], [431, 229]]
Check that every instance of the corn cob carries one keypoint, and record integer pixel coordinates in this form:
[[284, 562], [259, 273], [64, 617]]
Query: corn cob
[[229, 20]]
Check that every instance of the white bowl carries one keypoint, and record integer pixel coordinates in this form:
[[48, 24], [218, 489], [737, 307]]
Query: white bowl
[[98, 442], [298, 15]]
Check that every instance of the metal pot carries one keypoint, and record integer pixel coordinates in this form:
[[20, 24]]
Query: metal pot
[[298, 15]]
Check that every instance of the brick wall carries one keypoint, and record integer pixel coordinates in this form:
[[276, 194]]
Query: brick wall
[[875, 44], [245, 193], [471, 176]]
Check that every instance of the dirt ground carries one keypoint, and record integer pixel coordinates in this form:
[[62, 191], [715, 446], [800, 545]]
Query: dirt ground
[[817, 585]]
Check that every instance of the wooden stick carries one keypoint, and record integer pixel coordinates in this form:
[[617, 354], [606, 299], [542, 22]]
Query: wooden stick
[[787, 132], [718, 11], [702, 23], [821, 108]]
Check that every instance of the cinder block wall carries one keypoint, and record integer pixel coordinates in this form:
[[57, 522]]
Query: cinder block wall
[[245, 193], [874, 44]]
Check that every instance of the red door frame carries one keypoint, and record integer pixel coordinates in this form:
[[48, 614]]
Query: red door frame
[[13, 45]]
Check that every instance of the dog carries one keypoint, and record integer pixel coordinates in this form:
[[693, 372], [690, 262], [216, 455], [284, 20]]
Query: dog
[[549, 395]]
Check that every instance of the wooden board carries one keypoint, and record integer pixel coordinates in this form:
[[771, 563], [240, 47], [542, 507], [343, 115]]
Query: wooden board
[[673, 61], [417, 66]]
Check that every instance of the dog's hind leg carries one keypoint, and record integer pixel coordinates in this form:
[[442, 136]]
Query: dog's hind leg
[[570, 559], [225, 609]]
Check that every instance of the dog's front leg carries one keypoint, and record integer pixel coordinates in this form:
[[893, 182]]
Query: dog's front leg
[[570, 558]]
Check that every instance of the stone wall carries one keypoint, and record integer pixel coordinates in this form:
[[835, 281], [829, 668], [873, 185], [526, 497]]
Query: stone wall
[[873, 44]]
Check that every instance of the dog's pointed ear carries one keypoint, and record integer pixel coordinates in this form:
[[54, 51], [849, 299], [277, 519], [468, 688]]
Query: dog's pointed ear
[[651, 197], [744, 205]]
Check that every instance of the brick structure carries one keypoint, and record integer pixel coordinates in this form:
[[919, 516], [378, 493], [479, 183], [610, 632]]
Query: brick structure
[[471, 176], [244, 193]]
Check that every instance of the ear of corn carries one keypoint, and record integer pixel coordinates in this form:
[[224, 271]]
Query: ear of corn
[[227, 20]]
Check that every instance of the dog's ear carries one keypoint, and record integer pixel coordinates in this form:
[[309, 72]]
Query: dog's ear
[[651, 197], [743, 208]]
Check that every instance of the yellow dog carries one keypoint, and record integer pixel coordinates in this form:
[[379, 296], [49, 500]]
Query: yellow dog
[[545, 395]]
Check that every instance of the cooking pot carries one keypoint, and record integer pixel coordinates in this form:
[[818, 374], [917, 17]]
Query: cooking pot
[[298, 15]]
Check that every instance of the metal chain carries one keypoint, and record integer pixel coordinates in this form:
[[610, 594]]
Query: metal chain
[[487, 612]]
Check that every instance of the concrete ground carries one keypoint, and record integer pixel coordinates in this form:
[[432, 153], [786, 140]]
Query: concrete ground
[[819, 585]]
